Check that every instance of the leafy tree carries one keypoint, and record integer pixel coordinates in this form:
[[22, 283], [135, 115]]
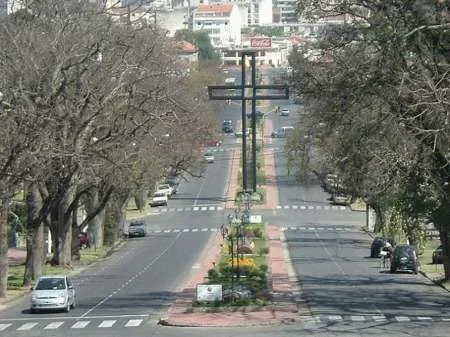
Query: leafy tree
[[380, 85]]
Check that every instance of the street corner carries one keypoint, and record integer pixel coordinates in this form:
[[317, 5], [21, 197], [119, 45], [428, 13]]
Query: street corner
[[12, 297]]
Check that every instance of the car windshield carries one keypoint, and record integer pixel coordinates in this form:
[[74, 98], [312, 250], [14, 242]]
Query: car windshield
[[163, 187], [159, 194], [51, 284], [404, 250], [136, 224], [208, 154]]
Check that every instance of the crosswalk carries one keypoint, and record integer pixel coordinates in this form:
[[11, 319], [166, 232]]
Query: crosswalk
[[374, 318], [218, 208], [77, 324], [318, 228], [183, 230]]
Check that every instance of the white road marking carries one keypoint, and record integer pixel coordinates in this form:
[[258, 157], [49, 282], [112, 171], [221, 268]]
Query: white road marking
[[335, 318], [196, 208], [310, 207], [302, 207], [295, 207], [164, 210], [204, 208], [27, 326], [179, 209], [213, 229], [4, 326], [219, 208], [343, 208], [187, 209], [279, 207], [80, 325], [172, 210], [421, 318], [107, 324], [205, 229], [133, 323], [167, 231], [186, 230], [194, 229], [283, 229], [402, 319], [212, 208], [176, 230], [379, 318], [286, 206], [357, 318], [53, 325]]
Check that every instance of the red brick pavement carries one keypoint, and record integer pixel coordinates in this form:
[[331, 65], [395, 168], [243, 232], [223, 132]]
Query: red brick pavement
[[283, 308]]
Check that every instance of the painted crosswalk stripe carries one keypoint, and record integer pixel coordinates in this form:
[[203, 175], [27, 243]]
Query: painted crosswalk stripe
[[212, 208], [53, 325], [187, 209], [204, 229], [334, 207], [278, 207], [335, 318], [194, 229], [196, 208], [326, 207], [186, 230], [176, 230], [213, 229], [294, 206], [179, 209], [4, 326], [402, 319], [379, 318], [446, 319], [310, 207], [357, 318], [164, 210], [283, 229], [421, 318], [80, 325], [167, 231], [27, 326], [133, 323], [107, 324], [204, 208], [343, 208], [172, 210], [302, 207], [302, 228], [311, 228], [318, 207], [286, 206], [219, 208]]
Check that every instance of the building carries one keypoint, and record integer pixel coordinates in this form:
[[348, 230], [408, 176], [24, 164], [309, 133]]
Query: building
[[222, 22], [287, 10], [186, 51]]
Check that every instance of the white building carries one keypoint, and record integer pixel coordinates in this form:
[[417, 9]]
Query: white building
[[222, 22], [287, 11]]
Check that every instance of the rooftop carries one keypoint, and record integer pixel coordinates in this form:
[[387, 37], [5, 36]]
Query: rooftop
[[215, 8]]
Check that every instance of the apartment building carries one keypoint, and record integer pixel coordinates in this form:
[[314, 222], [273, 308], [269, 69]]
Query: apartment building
[[222, 22]]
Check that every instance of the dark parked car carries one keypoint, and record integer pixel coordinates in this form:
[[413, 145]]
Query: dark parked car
[[438, 255], [84, 241], [137, 228], [377, 245], [404, 257], [227, 126]]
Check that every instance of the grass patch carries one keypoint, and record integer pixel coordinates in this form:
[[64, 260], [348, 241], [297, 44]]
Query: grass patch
[[89, 255], [133, 212]]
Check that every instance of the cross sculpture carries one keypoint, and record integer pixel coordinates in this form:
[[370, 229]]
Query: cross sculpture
[[213, 95]]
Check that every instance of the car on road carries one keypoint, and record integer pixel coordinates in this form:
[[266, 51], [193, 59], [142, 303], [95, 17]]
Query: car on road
[[438, 255], [165, 188], [159, 198], [227, 126], [258, 113], [341, 199], [404, 257], [284, 112], [209, 157], [282, 132], [137, 228], [53, 292], [174, 182]]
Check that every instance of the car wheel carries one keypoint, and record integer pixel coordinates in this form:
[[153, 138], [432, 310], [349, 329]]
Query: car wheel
[[416, 270], [74, 303], [434, 261], [32, 311], [393, 269]]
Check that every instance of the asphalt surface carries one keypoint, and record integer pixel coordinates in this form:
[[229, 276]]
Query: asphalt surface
[[347, 293]]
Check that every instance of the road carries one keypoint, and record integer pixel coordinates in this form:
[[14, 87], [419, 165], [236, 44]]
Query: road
[[347, 294]]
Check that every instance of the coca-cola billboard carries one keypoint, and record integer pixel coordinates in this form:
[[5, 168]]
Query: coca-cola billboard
[[261, 42]]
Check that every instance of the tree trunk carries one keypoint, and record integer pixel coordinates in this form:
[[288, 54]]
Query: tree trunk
[[75, 236], [4, 210], [445, 240], [115, 216], [28, 274], [139, 200], [96, 225]]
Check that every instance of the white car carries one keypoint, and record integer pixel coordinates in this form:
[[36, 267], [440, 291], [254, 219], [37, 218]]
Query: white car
[[284, 112], [53, 292], [165, 188], [159, 198], [209, 157]]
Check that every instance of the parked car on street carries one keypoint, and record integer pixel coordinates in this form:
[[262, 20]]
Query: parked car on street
[[284, 112], [209, 157], [159, 198], [404, 257], [53, 292], [165, 188], [227, 126], [438, 255], [341, 199], [84, 240], [137, 228]]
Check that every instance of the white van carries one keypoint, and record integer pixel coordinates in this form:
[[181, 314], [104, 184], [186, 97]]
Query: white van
[[282, 132]]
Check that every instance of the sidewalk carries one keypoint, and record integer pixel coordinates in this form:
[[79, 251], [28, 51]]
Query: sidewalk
[[282, 310]]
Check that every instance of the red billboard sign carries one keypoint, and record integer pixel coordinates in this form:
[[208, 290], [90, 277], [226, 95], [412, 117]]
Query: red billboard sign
[[261, 42]]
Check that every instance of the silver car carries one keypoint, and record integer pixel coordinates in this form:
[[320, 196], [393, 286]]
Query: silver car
[[53, 292]]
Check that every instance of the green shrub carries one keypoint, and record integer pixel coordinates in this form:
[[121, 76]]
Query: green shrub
[[264, 268], [213, 274], [257, 232], [263, 251]]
